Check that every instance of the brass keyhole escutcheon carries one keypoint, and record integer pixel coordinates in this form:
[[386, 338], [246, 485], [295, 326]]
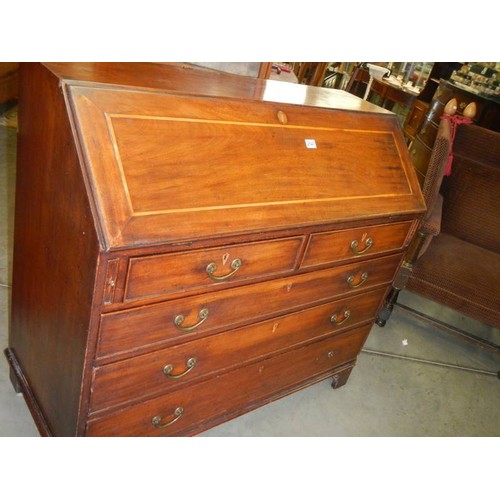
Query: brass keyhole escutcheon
[[282, 118]]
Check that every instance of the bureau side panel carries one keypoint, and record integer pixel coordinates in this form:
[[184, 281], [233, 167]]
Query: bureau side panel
[[55, 253]]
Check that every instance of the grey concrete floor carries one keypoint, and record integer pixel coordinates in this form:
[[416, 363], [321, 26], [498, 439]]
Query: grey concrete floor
[[385, 396]]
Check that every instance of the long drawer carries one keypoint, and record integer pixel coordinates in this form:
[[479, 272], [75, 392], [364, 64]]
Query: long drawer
[[161, 275], [177, 412], [151, 327], [144, 376]]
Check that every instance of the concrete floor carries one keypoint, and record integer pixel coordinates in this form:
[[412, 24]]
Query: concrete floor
[[385, 396]]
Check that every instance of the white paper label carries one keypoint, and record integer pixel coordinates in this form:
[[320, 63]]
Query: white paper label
[[310, 143]]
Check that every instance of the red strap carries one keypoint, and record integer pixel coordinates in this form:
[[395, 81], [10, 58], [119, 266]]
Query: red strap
[[455, 121]]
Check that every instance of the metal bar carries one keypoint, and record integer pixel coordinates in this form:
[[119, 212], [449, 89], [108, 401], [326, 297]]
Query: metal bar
[[444, 326], [427, 362]]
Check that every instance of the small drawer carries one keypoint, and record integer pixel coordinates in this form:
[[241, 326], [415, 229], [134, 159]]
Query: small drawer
[[151, 327], [162, 275], [428, 133], [144, 376], [336, 246], [181, 411]]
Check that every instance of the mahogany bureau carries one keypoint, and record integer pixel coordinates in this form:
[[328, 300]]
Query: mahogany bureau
[[191, 245]]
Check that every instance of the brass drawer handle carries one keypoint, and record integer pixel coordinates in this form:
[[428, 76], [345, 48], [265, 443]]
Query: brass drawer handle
[[156, 421], [179, 319], [331, 354], [168, 369], [350, 280], [355, 244], [212, 267], [347, 315]]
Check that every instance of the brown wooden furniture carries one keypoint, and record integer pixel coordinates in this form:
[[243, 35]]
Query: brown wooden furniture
[[265, 70], [191, 245], [392, 97], [382, 92], [454, 258], [414, 120], [312, 73], [440, 71], [392, 94], [8, 83], [358, 82], [487, 116], [461, 267]]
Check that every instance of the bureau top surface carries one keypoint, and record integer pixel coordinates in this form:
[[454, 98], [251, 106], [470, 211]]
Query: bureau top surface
[[167, 165], [195, 80]]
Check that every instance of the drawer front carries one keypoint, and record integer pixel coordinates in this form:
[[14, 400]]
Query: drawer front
[[335, 246], [414, 120], [143, 376], [233, 391], [150, 327], [166, 274], [421, 155], [427, 134]]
